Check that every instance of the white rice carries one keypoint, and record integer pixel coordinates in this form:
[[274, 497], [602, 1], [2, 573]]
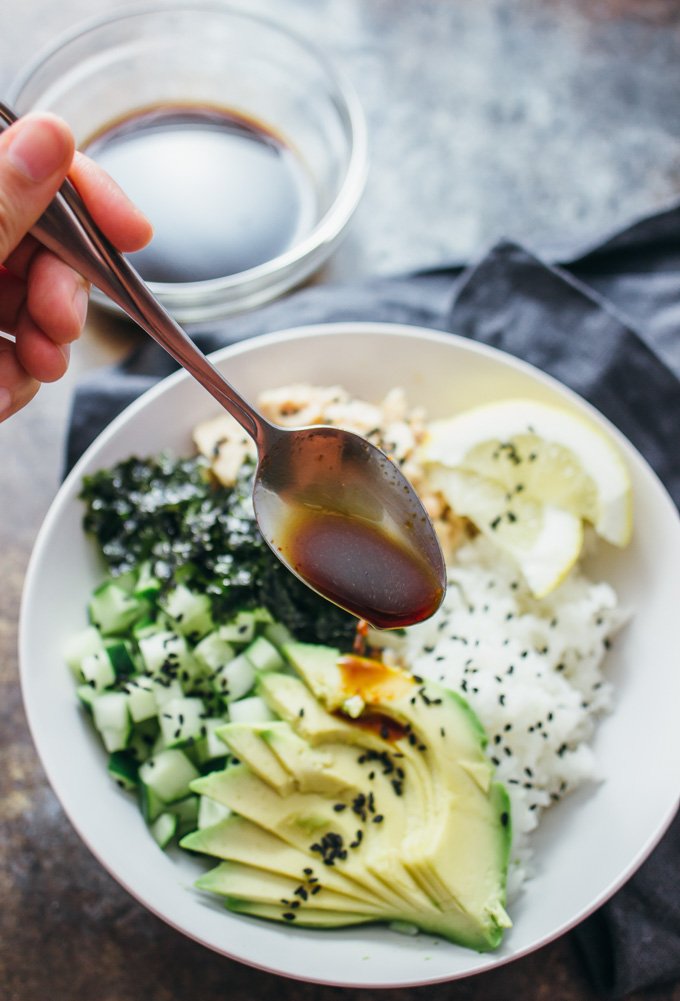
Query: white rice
[[532, 671]]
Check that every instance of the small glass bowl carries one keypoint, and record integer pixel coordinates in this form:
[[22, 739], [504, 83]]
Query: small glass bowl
[[211, 54]]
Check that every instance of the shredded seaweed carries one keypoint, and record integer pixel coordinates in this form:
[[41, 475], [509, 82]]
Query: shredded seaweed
[[192, 530]]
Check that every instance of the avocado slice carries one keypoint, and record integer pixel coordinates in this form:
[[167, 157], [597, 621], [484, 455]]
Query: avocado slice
[[236, 839], [310, 917], [307, 821], [244, 741], [246, 882], [394, 814]]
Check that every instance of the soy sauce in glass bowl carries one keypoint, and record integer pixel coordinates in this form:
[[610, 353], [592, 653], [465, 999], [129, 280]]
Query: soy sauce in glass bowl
[[264, 83], [224, 193]]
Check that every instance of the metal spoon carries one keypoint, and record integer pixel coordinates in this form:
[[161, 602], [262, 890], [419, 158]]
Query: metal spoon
[[333, 508]]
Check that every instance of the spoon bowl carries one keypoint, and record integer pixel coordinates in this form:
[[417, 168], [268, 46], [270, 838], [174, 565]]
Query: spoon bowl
[[332, 507], [342, 517]]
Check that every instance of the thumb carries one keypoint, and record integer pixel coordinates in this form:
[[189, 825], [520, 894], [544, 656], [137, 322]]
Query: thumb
[[35, 155]]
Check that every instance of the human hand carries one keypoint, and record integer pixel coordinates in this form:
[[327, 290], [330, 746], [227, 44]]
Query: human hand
[[43, 302]]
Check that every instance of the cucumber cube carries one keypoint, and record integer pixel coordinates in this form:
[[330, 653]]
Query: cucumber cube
[[123, 769], [278, 634], [186, 811], [190, 613], [142, 702], [120, 655], [209, 746], [181, 720], [235, 679], [163, 829], [168, 774], [148, 585], [150, 803], [213, 652], [165, 691], [81, 645], [97, 670], [112, 610], [86, 694], [250, 710], [242, 627], [112, 719], [166, 654], [263, 655], [142, 740]]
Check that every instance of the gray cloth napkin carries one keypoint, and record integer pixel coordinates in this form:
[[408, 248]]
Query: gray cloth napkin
[[606, 328]]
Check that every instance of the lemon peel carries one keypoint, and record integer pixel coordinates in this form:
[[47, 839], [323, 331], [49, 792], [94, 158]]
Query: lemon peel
[[544, 451]]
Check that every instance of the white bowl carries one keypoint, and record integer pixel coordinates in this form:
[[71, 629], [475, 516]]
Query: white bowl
[[587, 846]]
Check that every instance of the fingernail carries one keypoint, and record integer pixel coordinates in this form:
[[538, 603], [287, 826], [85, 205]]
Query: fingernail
[[38, 149], [81, 299], [5, 400], [66, 352]]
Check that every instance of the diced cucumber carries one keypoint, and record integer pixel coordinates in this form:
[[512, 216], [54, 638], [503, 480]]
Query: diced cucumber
[[112, 719], [167, 654], [186, 811], [143, 739], [112, 610], [123, 769], [168, 774], [148, 585], [181, 720], [213, 652], [127, 581], [211, 812], [190, 613], [263, 655], [97, 669], [165, 691], [278, 634], [242, 627], [146, 626], [164, 828], [250, 710], [80, 645], [120, 654], [87, 694], [235, 679], [209, 746], [150, 803], [141, 698]]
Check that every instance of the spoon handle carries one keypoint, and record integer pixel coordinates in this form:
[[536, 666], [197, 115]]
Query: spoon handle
[[68, 230]]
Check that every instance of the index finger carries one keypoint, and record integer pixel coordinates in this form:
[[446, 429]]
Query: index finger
[[119, 219]]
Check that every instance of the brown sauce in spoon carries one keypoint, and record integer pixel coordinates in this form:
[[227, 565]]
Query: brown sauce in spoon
[[361, 566]]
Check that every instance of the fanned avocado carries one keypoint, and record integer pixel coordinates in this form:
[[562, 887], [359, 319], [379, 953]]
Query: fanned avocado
[[244, 741], [388, 814]]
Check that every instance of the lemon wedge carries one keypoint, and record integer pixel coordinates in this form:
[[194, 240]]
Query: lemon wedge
[[545, 541], [528, 474]]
